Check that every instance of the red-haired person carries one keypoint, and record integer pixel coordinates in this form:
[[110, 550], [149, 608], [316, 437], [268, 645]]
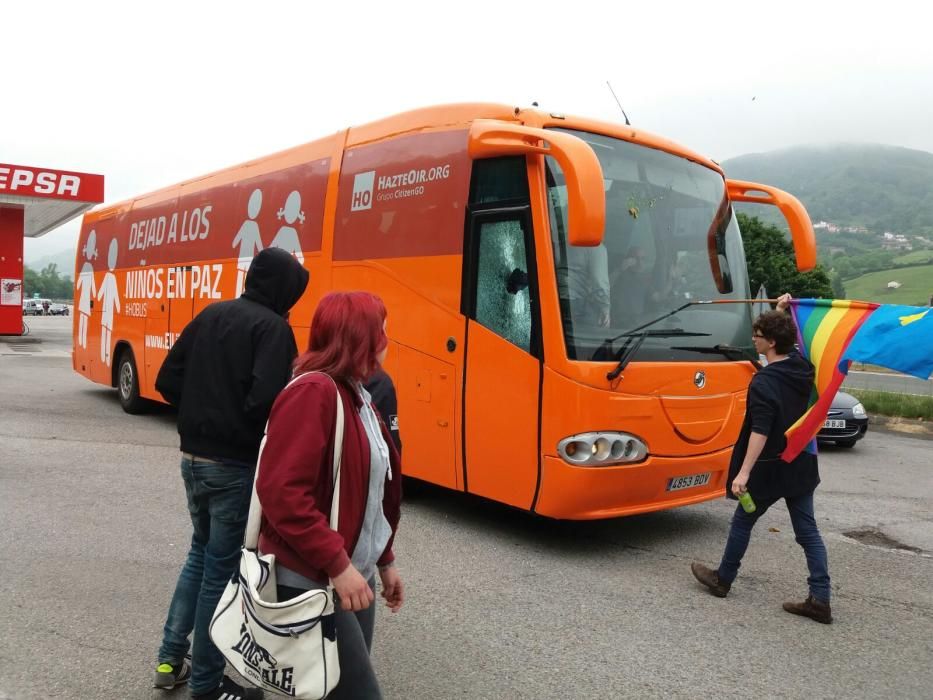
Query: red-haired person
[[294, 483]]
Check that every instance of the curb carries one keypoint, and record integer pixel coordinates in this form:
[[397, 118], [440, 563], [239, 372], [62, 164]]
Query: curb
[[19, 339], [896, 424]]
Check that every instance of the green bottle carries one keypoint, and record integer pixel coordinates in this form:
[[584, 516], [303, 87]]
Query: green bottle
[[748, 505]]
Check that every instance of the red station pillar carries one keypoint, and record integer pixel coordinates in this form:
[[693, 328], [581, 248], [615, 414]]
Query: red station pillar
[[11, 270]]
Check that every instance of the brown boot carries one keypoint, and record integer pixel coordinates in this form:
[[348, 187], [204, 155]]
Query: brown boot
[[710, 579], [811, 608]]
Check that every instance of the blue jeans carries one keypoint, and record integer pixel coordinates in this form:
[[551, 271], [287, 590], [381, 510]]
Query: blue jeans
[[218, 502], [805, 530]]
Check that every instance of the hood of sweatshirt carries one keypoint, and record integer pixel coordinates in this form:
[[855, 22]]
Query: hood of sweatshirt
[[276, 280], [795, 374]]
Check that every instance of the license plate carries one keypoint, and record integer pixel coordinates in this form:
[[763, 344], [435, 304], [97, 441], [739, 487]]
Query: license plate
[[687, 482], [833, 423]]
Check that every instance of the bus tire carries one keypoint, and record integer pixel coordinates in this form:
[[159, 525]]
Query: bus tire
[[128, 384]]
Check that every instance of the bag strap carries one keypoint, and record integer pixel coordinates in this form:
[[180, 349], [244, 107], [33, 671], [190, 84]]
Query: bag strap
[[251, 539], [334, 521]]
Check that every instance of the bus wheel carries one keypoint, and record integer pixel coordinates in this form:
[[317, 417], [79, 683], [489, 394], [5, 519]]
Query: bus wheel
[[128, 384]]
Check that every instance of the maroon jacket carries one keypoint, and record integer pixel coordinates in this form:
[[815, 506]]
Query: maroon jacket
[[294, 481]]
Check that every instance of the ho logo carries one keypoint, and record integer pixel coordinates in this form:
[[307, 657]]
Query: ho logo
[[363, 191]]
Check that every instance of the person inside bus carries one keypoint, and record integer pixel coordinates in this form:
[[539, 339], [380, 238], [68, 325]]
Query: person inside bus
[[223, 374], [294, 482], [629, 287], [583, 282], [669, 291], [777, 396]]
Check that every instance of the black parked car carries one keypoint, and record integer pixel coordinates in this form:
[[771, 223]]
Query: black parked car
[[846, 423]]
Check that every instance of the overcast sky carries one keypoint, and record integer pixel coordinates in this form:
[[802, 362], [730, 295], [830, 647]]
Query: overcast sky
[[152, 96]]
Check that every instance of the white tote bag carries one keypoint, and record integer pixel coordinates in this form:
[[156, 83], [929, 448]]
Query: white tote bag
[[287, 647]]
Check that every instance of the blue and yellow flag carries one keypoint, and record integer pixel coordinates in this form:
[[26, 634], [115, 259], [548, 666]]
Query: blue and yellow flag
[[896, 337], [834, 334]]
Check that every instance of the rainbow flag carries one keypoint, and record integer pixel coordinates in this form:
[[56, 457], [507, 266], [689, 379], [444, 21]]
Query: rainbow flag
[[824, 329]]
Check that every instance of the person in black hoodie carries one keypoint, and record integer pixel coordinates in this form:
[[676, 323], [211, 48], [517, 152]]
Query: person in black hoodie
[[777, 396], [223, 374], [382, 391]]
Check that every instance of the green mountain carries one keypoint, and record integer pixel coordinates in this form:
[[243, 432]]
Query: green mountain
[[881, 188], [65, 260]]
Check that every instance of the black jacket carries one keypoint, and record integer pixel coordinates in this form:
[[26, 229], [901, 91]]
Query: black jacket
[[777, 396], [232, 360], [381, 388]]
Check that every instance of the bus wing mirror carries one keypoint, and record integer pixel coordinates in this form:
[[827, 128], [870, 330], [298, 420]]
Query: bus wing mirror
[[801, 230], [586, 198]]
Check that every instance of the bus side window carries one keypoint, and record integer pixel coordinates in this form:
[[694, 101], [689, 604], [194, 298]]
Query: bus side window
[[503, 301]]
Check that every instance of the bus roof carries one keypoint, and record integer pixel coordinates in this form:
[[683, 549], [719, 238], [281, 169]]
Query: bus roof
[[442, 117]]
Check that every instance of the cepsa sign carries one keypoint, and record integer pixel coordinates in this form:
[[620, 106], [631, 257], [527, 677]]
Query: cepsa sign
[[55, 184]]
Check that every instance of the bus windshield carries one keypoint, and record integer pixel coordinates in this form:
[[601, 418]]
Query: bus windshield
[[671, 237]]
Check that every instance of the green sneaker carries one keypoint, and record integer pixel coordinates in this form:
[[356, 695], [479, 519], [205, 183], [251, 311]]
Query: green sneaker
[[170, 675]]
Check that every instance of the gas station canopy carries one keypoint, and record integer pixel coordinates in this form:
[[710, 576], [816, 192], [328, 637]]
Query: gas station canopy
[[33, 201], [48, 198]]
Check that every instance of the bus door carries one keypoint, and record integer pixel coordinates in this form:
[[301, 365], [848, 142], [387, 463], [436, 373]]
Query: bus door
[[502, 365]]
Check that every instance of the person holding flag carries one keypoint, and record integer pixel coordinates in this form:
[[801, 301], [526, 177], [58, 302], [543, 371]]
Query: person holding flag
[[778, 396]]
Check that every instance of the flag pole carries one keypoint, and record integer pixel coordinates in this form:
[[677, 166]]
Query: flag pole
[[736, 301]]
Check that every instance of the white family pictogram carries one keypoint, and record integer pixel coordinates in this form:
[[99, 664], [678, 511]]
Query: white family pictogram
[[110, 295], [248, 238], [86, 286], [287, 237]]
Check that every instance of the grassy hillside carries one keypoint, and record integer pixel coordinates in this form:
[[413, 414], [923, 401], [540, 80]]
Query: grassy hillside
[[916, 286], [883, 188], [918, 257]]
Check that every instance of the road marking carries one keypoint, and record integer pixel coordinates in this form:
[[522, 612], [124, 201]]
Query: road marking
[[32, 352], [895, 375]]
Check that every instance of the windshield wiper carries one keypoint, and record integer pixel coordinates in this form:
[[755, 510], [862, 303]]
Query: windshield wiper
[[634, 331], [628, 350], [626, 353], [607, 343], [730, 352]]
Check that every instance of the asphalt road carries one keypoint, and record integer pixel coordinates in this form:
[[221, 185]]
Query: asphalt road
[[887, 381], [500, 604]]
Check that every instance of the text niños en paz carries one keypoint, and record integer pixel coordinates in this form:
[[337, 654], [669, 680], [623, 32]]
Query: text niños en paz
[[177, 282]]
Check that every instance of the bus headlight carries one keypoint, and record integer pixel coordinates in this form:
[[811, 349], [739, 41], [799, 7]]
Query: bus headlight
[[601, 449]]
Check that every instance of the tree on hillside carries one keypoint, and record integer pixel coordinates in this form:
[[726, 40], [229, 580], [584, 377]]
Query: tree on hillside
[[839, 290], [31, 283], [771, 262], [47, 283]]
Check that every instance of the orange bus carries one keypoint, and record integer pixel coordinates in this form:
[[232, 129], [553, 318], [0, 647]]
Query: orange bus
[[541, 273]]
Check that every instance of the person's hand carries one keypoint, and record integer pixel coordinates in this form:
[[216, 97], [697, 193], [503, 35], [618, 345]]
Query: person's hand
[[783, 302], [355, 593], [604, 319], [392, 589], [740, 484]]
